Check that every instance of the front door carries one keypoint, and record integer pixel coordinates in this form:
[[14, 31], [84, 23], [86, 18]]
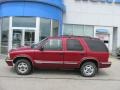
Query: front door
[[22, 37], [52, 55]]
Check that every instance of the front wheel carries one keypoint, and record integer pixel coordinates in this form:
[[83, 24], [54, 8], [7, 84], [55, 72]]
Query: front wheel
[[23, 67], [88, 69]]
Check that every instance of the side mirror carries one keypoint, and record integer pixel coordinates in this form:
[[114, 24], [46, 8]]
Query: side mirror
[[33, 45], [41, 49]]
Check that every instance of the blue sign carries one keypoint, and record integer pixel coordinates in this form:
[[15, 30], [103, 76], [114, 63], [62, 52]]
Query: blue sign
[[105, 31], [103, 1], [117, 1]]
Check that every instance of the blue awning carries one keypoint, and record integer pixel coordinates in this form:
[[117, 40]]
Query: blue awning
[[57, 3]]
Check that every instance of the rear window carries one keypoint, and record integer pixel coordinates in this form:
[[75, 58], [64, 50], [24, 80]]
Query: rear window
[[96, 45]]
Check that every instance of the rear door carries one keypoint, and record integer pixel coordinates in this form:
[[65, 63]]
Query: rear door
[[74, 52]]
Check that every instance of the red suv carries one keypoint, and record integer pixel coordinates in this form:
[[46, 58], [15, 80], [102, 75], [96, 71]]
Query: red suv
[[66, 52]]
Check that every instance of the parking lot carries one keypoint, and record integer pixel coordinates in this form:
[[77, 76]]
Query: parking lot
[[106, 79]]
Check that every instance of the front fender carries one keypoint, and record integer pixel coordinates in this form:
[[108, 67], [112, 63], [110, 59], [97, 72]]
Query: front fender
[[24, 56]]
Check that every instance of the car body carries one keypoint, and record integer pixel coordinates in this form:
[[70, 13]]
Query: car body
[[65, 52]]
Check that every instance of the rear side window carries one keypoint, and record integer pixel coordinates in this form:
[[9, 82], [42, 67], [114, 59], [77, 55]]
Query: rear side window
[[74, 45], [96, 45]]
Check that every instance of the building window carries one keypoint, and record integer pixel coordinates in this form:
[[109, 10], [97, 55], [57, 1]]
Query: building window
[[55, 28], [68, 29], [24, 22], [4, 35], [89, 31], [78, 30], [45, 28]]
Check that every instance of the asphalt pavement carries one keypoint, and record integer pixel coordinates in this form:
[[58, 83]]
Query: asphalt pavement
[[106, 79]]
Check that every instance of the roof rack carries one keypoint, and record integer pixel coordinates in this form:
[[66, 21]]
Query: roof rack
[[74, 36]]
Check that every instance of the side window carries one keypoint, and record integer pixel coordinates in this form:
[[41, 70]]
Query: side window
[[53, 44], [74, 45], [96, 45]]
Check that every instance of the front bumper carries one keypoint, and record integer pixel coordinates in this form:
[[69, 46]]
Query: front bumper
[[9, 62], [105, 64]]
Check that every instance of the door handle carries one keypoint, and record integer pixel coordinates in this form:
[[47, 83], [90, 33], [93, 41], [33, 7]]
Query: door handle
[[61, 54], [82, 54]]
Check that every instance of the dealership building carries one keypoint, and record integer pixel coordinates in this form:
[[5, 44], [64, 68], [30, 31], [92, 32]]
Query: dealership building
[[23, 22]]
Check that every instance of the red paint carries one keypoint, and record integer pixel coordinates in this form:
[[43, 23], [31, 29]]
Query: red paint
[[61, 59]]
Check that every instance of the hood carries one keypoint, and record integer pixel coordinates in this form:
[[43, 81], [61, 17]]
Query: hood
[[21, 48]]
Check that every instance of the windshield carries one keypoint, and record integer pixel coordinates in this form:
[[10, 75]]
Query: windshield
[[36, 45]]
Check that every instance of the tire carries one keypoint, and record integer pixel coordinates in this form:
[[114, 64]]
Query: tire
[[88, 69], [23, 67]]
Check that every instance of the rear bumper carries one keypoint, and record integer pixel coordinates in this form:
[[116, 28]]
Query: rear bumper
[[9, 62], [105, 64]]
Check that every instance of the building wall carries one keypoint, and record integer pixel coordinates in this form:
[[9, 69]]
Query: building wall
[[99, 14], [91, 13]]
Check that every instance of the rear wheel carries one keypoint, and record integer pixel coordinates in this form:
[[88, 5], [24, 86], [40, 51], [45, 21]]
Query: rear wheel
[[88, 69], [23, 67]]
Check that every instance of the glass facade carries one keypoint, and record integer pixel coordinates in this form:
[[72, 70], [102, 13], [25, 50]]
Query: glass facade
[[45, 28], [20, 31], [24, 22], [17, 38], [89, 30], [68, 29], [29, 21], [48, 28], [55, 28], [29, 38], [78, 30], [4, 35]]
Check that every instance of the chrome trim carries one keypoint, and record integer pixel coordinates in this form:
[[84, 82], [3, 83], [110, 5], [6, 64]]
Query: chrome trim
[[54, 62], [48, 62], [70, 62], [105, 62]]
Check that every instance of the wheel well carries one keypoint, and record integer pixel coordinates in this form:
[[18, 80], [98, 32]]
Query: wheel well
[[90, 60], [18, 58]]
